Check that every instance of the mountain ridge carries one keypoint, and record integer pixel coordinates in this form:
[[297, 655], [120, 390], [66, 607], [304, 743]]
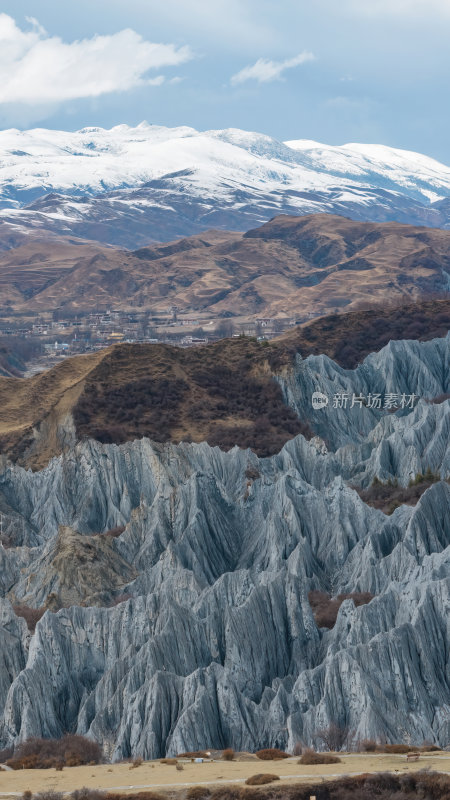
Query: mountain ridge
[[129, 186], [290, 266]]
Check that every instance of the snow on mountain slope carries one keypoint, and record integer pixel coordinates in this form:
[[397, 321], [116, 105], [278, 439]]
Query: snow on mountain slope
[[412, 172], [95, 160], [128, 185]]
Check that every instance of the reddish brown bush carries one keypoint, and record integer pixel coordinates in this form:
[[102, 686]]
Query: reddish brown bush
[[49, 794], [70, 751], [441, 398], [382, 786], [121, 598], [6, 754], [86, 794], [114, 532], [30, 615], [226, 793], [335, 737], [368, 745], [310, 757], [271, 754], [261, 778], [397, 749], [198, 793], [325, 608], [171, 762], [135, 796], [389, 496], [194, 754], [228, 754]]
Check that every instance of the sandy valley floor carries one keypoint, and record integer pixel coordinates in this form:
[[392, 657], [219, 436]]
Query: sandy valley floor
[[152, 774]]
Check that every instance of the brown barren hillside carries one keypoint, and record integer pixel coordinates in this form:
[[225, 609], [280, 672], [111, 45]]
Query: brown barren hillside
[[223, 393], [32, 265], [349, 338], [299, 266]]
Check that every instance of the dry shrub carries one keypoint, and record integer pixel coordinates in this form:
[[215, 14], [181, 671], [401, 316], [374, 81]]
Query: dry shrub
[[6, 754], [335, 736], [261, 778], [398, 749], [48, 794], [368, 746], [194, 754], [427, 747], [382, 786], [27, 795], [298, 749], [325, 608], [147, 795], [135, 796], [389, 496], [137, 762], [252, 473], [198, 793], [86, 794], [114, 532], [226, 793], [69, 751], [271, 754], [228, 754], [30, 615], [441, 398], [179, 767], [310, 757], [168, 761], [121, 598]]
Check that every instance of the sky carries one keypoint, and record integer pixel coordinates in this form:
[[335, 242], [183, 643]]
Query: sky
[[335, 71]]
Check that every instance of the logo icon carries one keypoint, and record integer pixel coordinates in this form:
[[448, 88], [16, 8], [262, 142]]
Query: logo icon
[[319, 400]]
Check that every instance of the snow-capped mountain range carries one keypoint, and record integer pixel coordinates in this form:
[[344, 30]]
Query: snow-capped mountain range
[[128, 186]]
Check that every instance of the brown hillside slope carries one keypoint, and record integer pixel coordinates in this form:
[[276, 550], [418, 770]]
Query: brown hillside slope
[[32, 265], [223, 393], [349, 338], [290, 266]]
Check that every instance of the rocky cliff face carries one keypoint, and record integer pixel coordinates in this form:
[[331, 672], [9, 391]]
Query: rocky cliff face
[[192, 626]]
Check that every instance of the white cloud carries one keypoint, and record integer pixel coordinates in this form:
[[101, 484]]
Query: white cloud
[[37, 68], [264, 70]]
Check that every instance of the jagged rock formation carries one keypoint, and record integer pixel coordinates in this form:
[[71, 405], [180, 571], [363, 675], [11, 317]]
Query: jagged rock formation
[[217, 644]]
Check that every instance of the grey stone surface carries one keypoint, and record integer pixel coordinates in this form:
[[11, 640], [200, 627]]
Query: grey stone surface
[[217, 644]]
